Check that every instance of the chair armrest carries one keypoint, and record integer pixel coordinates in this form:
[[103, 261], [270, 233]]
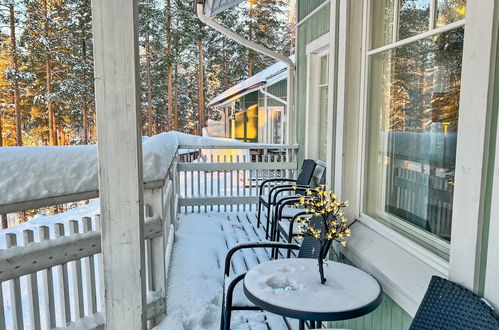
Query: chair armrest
[[253, 245], [262, 185], [282, 188]]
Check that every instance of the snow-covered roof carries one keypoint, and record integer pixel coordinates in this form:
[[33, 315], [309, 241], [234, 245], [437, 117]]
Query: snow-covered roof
[[267, 77], [213, 7]]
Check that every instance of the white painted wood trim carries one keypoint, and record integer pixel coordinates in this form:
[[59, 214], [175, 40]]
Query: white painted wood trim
[[491, 291], [473, 141], [332, 106], [221, 200], [237, 166], [117, 86], [318, 45], [316, 48], [420, 36], [240, 146]]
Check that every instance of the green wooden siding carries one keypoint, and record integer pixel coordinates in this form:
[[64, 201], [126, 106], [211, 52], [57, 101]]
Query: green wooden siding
[[278, 89], [310, 30], [388, 316], [490, 180], [307, 6]]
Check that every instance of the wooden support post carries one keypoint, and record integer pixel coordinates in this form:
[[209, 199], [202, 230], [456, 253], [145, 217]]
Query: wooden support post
[[120, 161]]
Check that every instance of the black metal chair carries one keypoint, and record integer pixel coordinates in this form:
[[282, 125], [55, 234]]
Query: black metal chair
[[285, 214], [450, 306], [303, 180], [310, 248]]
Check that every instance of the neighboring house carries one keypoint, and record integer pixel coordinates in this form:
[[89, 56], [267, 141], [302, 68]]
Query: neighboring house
[[253, 110]]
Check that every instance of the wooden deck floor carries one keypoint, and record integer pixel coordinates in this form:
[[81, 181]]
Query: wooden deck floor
[[195, 277]]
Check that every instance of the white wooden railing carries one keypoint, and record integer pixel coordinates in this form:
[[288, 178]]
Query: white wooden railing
[[60, 267], [63, 268], [226, 178]]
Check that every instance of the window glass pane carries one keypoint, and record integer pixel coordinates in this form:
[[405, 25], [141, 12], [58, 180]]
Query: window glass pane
[[323, 70], [323, 91], [382, 23], [414, 17], [449, 11], [413, 119]]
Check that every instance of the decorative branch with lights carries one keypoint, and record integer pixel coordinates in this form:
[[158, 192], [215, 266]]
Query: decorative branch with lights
[[323, 204]]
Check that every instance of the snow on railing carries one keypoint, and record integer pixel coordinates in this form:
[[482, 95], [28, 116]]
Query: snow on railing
[[65, 265], [64, 261], [227, 177]]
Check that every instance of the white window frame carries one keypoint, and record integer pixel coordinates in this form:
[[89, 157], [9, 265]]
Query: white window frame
[[470, 160], [315, 50]]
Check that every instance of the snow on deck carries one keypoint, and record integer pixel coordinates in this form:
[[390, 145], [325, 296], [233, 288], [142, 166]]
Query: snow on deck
[[196, 272]]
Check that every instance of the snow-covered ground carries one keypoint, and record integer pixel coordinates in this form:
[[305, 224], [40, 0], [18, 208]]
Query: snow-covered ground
[[196, 274]]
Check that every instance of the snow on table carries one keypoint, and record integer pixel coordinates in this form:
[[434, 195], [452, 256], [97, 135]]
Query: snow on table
[[294, 284], [196, 272]]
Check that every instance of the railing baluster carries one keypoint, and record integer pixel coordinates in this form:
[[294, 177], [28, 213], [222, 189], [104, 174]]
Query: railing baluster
[[3, 326], [78, 303], [231, 182], [15, 289], [62, 271], [225, 184], [32, 287], [48, 286], [185, 188], [98, 226], [244, 182], [199, 188], [211, 185], [218, 182], [192, 189], [238, 180], [205, 185], [90, 272]]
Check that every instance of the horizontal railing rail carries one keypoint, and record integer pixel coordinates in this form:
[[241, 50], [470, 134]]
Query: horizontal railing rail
[[228, 177]]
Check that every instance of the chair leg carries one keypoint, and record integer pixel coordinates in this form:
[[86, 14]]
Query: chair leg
[[259, 213], [268, 221], [222, 318], [227, 310], [277, 239]]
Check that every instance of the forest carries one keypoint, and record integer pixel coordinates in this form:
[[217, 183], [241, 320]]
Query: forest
[[46, 65]]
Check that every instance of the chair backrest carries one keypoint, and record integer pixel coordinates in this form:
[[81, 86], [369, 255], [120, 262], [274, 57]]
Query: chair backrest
[[447, 305], [306, 172], [311, 246]]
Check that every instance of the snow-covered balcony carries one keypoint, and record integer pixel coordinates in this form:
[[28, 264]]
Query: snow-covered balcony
[[196, 207]]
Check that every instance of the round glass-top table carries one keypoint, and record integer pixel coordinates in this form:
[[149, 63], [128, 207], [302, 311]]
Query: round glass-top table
[[292, 288]]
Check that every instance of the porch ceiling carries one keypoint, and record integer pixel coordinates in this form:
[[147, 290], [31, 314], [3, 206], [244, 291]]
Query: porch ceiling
[[213, 7]]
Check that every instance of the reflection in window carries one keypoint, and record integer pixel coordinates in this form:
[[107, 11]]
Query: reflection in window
[[414, 17], [413, 120], [450, 11]]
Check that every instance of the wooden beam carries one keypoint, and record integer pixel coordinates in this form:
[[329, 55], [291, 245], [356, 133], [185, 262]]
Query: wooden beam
[[120, 161]]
